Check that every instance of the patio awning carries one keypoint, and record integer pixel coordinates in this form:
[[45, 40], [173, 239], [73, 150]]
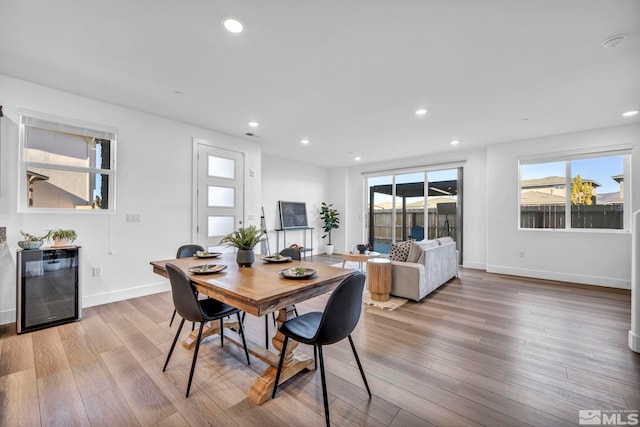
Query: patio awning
[[416, 189]]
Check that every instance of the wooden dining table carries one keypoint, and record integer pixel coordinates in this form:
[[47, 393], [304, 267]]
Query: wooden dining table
[[259, 290]]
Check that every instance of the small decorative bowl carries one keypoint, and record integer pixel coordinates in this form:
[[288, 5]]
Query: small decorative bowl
[[30, 244], [362, 248]]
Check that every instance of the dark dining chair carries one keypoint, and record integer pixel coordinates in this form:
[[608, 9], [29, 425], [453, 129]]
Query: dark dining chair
[[295, 256], [339, 319], [190, 308], [185, 251]]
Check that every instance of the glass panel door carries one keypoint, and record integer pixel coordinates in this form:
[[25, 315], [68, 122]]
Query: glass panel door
[[414, 206], [442, 203], [220, 194]]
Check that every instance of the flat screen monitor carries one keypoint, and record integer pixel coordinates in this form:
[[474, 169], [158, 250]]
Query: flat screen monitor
[[293, 214]]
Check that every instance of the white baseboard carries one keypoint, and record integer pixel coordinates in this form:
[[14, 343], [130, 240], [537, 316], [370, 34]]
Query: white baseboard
[[9, 316], [634, 342], [123, 294], [474, 265], [608, 282]]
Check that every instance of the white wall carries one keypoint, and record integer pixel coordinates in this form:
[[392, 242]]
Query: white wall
[[591, 257], [294, 182], [154, 170]]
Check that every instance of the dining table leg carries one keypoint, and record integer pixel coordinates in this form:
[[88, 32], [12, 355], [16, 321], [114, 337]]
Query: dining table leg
[[210, 328], [293, 363]]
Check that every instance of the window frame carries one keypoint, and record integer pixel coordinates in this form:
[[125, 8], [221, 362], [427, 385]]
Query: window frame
[[567, 158], [76, 127]]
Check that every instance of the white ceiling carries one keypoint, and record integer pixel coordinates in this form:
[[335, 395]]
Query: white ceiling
[[348, 75]]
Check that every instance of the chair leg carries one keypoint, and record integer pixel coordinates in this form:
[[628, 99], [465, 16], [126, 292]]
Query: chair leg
[[193, 326], [315, 357], [295, 310], [173, 316], [282, 352], [221, 333], [175, 340], [324, 387], [195, 358], [355, 353], [266, 332], [244, 341]]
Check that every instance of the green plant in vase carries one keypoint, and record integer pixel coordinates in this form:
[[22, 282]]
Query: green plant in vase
[[330, 220], [62, 237], [244, 239], [31, 241]]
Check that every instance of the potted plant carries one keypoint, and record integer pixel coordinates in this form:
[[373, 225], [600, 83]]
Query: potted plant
[[330, 219], [31, 241], [244, 239], [62, 237]]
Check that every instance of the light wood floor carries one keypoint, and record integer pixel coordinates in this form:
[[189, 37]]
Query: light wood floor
[[483, 350]]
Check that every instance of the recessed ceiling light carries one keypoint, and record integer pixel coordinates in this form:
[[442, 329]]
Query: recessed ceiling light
[[357, 158], [233, 25], [613, 42], [304, 141], [630, 113], [254, 124], [177, 92], [421, 111], [455, 142]]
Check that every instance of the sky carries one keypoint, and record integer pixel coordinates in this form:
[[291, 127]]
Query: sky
[[599, 169]]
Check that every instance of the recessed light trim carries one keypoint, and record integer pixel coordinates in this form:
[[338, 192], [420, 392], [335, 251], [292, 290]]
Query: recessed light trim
[[421, 111], [304, 141], [254, 124], [233, 25], [630, 113]]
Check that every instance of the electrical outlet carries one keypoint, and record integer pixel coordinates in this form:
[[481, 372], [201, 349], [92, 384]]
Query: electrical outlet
[[97, 271], [134, 217]]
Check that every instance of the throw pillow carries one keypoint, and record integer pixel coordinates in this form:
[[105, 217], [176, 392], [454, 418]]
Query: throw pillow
[[417, 248], [400, 251]]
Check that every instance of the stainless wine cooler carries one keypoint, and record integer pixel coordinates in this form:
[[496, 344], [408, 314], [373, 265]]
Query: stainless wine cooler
[[49, 287]]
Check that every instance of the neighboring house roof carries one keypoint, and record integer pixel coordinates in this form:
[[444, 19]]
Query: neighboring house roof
[[610, 198], [550, 181], [529, 198], [618, 178]]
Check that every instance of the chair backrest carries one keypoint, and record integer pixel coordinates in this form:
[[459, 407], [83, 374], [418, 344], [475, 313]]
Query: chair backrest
[[417, 232], [187, 251], [342, 312], [185, 299], [293, 253]]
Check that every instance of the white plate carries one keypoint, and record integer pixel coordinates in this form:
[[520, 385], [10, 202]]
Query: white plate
[[207, 269], [273, 258], [290, 273], [201, 254]]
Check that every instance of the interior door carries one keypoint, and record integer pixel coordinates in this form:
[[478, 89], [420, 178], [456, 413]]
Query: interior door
[[219, 193]]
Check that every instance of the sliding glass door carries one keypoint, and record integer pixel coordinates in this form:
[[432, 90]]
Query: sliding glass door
[[415, 205]]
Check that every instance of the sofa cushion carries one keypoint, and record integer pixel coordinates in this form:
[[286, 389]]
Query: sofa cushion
[[400, 251], [418, 247]]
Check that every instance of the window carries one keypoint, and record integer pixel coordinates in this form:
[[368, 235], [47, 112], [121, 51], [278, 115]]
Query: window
[[66, 166], [595, 197]]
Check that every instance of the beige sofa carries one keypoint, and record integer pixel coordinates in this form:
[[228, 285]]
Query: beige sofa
[[429, 264]]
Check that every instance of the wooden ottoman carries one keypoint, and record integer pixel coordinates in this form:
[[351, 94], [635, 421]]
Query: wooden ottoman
[[379, 278]]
